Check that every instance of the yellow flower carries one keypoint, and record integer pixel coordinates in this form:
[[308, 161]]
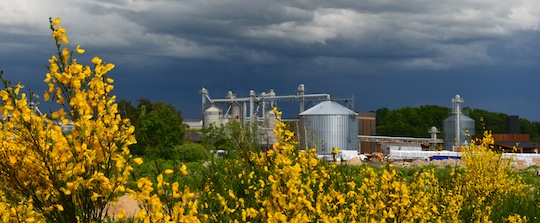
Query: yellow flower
[[96, 60], [79, 49], [56, 21], [95, 196], [175, 186], [183, 169], [169, 171], [138, 161], [121, 215], [231, 194]]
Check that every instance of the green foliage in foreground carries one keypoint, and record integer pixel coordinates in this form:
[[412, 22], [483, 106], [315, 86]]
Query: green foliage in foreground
[[152, 167], [524, 205], [190, 152], [218, 172]]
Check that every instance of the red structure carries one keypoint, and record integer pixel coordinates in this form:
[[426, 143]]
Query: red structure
[[519, 143]]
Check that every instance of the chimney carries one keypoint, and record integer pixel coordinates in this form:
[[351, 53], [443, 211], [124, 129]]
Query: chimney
[[512, 124]]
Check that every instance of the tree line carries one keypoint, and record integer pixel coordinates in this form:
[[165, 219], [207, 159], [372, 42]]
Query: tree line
[[416, 121]]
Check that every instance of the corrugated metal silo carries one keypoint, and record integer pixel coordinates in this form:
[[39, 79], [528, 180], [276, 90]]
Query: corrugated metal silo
[[328, 125], [212, 115], [449, 126]]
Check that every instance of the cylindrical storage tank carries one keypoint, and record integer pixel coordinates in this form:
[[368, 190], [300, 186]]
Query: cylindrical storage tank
[[236, 111], [449, 128], [328, 125], [270, 119], [212, 115], [270, 122]]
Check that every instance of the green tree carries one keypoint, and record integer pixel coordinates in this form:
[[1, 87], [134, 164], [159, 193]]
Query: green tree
[[127, 110], [409, 121], [144, 102], [381, 116], [233, 137], [529, 127], [537, 135], [159, 129], [159, 126], [486, 120]]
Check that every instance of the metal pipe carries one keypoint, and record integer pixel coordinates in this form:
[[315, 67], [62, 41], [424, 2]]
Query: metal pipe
[[457, 111], [276, 98], [244, 112], [251, 105], [301, 92], [204, 95]]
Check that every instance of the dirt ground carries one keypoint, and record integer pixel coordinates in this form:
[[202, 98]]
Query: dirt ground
[[355, 161], [125, 202], [400, 163], [418, 163]]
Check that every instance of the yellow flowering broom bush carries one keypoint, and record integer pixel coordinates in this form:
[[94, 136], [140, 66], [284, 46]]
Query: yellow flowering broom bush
[[49, 174], [63, 176], [287, 185], [164, 201], [487, 179]]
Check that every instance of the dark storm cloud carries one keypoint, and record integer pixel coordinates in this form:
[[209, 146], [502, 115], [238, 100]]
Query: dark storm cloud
[[387, 53], [417, 34]]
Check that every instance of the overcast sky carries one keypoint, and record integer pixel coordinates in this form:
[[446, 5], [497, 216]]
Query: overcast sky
[[386, 53]]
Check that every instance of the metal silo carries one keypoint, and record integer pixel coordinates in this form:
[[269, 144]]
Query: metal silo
[[328, 125], [458, 128], [449, 125], [212, 115], [236, 111]]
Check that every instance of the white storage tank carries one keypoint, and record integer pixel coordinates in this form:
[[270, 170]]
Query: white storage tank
[[458, 128], [267, 130], [270, 119], [236, 111], [467, 125], [328, 125], [212, 115]]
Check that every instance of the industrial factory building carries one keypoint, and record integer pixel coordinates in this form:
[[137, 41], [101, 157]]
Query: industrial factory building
[[327, 124]]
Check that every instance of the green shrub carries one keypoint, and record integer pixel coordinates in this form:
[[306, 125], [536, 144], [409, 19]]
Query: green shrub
[[152, 167], [190, 152]]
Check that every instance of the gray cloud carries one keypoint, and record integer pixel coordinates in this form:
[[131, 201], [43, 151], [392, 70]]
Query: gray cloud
[[184, 45]]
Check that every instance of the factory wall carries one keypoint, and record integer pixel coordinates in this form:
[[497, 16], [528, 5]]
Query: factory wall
[[367, 125]]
